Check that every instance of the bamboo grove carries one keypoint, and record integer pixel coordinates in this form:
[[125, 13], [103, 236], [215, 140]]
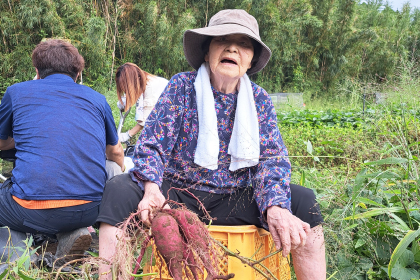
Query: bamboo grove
[[316, 44]]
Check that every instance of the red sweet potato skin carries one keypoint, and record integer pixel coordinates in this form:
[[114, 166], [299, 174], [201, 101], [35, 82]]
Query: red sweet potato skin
[[196, 235], [192, 264], [169, 243]]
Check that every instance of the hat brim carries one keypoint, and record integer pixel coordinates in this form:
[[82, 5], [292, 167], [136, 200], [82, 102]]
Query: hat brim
[[194, 39]]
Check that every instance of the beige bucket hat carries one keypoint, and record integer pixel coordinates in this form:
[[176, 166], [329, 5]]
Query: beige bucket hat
[[225, 22]]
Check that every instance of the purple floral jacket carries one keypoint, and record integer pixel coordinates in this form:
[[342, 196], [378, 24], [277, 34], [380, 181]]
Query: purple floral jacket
[[166, 147]]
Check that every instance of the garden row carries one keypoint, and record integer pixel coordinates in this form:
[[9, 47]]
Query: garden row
[[365, 171], [349, 118], [344, 140]]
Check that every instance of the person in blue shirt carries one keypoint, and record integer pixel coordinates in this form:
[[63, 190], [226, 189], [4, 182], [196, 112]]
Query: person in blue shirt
[[214, 133], [65, 135]]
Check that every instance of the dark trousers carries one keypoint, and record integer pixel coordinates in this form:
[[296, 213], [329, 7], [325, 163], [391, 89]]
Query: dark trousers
[[122, 196], [45, 221]]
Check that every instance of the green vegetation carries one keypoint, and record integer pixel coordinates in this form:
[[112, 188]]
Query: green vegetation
[[364, 169], [320, 47]]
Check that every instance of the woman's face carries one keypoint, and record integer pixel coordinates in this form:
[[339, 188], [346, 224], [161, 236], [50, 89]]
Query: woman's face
[[230, 56]]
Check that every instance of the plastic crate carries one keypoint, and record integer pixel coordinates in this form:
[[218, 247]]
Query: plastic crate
[[245, 239]]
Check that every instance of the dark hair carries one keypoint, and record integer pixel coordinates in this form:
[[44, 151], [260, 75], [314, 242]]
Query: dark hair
[[257, 48], [57, 56], [257, 52], [131, 80], [206, 45]]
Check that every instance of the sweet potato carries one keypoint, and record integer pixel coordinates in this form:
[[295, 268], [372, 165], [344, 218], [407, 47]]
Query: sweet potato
[[179, 236], [192, 264], [196, 235], [169, 243]]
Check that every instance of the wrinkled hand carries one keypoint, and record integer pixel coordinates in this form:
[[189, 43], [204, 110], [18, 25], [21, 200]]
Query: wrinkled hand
[[153, 197], [124, 137], [287, 230]]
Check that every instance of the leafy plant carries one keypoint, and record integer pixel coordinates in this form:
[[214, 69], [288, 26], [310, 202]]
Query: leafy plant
[[20, 268]]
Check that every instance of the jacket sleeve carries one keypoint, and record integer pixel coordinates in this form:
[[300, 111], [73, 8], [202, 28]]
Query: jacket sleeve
[[271, 177], [159, 135]]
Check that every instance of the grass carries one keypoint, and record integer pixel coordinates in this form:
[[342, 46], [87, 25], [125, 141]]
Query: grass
[[361, 248]]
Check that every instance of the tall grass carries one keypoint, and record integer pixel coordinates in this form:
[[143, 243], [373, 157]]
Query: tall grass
[[370, 197]]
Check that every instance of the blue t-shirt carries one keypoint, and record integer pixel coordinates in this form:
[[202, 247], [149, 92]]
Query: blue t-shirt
[[61, 130]]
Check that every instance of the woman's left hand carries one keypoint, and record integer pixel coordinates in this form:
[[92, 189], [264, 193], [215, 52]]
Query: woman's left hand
[[287, 230]]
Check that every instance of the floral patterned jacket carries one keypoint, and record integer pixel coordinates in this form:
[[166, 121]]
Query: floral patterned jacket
[[166, 147]]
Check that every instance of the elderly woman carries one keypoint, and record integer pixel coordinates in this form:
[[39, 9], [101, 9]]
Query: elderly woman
[[215, 132]]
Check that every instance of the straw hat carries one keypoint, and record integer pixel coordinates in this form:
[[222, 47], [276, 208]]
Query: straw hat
[[225, 22]]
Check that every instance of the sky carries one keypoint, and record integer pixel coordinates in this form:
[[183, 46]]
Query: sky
[[398, 4]]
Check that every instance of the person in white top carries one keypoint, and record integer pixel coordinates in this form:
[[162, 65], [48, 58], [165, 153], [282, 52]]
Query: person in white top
[[136, 86]]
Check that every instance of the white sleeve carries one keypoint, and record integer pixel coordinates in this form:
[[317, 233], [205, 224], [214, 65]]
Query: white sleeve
[[140, 118], [151, 95]]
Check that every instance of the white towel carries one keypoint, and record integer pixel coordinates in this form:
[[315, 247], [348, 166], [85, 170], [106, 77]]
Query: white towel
[[207, 151], [244, 146]]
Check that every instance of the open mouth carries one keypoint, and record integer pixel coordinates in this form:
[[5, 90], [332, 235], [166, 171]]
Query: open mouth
[[229, 61]]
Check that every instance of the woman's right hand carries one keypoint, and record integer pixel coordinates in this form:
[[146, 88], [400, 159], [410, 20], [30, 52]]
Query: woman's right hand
[[153, 197]]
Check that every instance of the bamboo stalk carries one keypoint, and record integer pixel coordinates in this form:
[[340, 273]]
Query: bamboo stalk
[[114, 45]]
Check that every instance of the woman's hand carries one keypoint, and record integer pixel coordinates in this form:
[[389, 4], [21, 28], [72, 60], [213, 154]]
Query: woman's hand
[[153, 197], [287, 230]]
